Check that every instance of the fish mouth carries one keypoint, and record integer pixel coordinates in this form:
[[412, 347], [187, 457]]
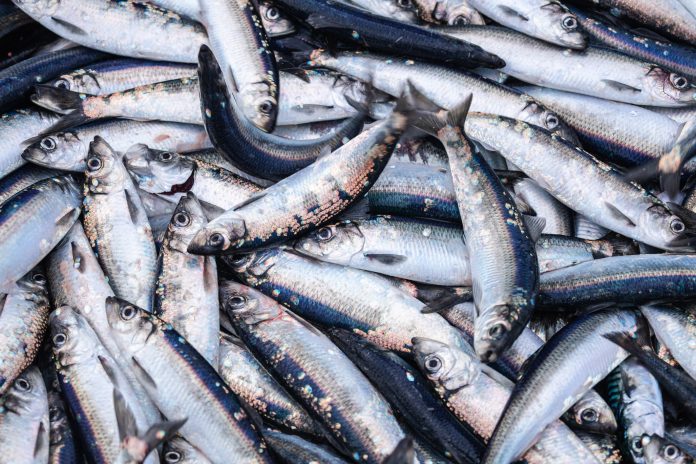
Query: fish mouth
[[36, 156]]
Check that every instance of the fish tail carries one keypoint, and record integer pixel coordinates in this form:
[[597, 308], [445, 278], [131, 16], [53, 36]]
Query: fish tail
[[56, 98], [431, 121], [635, 345], [404, 453]]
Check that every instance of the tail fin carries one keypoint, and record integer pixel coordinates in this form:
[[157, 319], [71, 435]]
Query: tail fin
[[635, 346], [432, 121], [404, 453], [55, 98]]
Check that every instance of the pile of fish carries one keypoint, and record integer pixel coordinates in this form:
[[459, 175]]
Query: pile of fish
[[334, 231]]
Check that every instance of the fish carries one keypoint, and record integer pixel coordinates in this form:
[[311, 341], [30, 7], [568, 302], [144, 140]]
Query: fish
[[116, 224], [184, 385], [249, 380], [21, 178], [171, 175], [323, 293], [67, 150], [409, 393], [16, 127], [275, 22], [601, 72], [558, 218], [603, 447], [189, 8], [122, 28], [296, 450], [478, 401], [111, 76], [548, 388], [179, 451], [673, 327], [319, 375], [24, 320], [250, 149], [240, 44], [93, 386], [659, 450], [63, 447], [549, 21], [452, 12], [33, 222], [24, 421], [504, 267], [186, 288]]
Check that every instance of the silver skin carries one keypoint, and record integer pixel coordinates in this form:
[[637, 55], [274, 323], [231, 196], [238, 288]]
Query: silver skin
[[680, 115], [117, 227], [242, 49], [602, 446], [15, 128], [24, 421], [423, 251], [546, 20], [675, 328], [597, 72], [574, 177], [307, 131], [24, 320], [443, 86], [629, 125], [557, 378], [588, 230], [405, 11], [181, 392], [158, 172], [123, 75], [94, 375], [141, 31], [392, 326], [478, 400], [420, 150], [641, 407], [67, 150], [179, 451], [452, 12], [156, 206], [590, 413], [24, 177], [249, 380], [345, 395], [186, 295], [296, 450], [659, 450], [275, 22], [33, 222], [559, 219], [189, 8], [76, 279]]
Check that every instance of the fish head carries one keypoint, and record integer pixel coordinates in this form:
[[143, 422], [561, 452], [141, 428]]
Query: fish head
[[104, 169], [220, 236], [535, 113], [157, 171], [61, 150], [669, 87], [658, 450], [38, 9], [259, 106], [594, 415], [188, 218], [34, 286], [556, 24], [496, 329], [445, 365], [246, 304], [275, 23], [27, 395], [451, 12], [178, 451], [131, 326], [337, 242], [70, 336], [82, 81], [664, 228]]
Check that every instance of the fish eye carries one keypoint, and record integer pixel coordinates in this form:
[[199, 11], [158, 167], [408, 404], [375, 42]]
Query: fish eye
[[59, 339], [62, 84], [405, 3], [460, 21], [22, 384], [497, 331], [38, 278], [433, 364], [172, 456], [552, 121], [589, 416], [182, 219], [671, 452], [94, 164], [166, 156], [324, 234], [272, 13], [637, 444], [679, 82], [216, 239], [128, 312], [570, 23], [266, 107], [48, 144], [677, 226], [237, 302]]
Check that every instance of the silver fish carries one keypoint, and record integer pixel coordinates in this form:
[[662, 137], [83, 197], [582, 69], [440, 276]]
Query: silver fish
[[275, 22], [179, 451], [675, 327], [452, 12], [117, 226], [558, 217], [15, 128]]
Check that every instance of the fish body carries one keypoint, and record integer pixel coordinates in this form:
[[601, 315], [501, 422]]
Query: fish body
[[24, 177], [675, 327], [296, 450], [16, 127]]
